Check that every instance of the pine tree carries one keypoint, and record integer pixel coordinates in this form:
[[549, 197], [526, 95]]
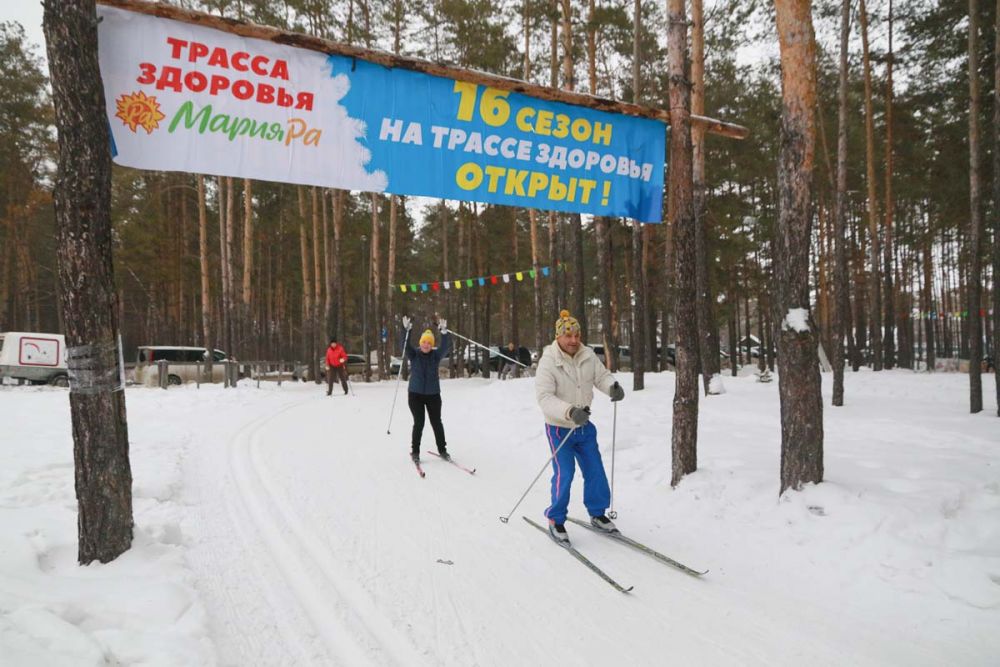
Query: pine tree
[[798, 363], [82, 198], [685, 421]]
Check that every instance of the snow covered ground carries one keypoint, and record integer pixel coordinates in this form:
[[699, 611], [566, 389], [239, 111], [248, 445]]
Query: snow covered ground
[[277, 526]]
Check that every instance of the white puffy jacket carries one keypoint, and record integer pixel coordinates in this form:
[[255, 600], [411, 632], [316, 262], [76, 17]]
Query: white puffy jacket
[[563, 382]]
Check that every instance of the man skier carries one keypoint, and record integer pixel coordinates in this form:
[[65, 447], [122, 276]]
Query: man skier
[[336, 360], [568, 373], [425, 387]]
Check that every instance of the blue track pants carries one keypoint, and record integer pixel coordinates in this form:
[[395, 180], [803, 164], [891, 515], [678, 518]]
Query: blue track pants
[[581, 447]]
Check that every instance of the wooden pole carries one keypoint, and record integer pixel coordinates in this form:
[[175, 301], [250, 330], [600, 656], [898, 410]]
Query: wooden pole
[[289, 38]]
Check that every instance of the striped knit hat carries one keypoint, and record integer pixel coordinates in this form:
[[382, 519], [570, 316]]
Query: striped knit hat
[[566, 323], [427, 336]]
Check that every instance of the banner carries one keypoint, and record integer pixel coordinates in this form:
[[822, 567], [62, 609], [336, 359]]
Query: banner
[[182, 97]]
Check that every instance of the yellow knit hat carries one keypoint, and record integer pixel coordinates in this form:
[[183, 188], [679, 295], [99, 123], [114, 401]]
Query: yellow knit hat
[[566, 323], [427, 336]]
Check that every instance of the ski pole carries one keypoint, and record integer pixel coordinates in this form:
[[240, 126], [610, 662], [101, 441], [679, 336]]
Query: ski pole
[[499, 354], [612, 514], [505, 519], [399, 376]]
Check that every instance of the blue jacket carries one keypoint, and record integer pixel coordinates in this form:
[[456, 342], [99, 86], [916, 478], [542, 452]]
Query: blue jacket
[[424, 367]]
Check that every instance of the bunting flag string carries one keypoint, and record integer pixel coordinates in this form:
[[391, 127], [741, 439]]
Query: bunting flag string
[[956, 315], [480, 281]]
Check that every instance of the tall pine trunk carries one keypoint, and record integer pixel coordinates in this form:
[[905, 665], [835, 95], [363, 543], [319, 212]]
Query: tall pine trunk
[[708, 331], [576, 221], [307, 289], [318, 284], [996, 208], [684, 435], [841, 307], [888, 297], [601, 224], [82, 200], [874, 287], [974, 237], [798, 363], [639, 309], [231, 317], [376, 259], [247, 331], [338, 281], [206, 286]]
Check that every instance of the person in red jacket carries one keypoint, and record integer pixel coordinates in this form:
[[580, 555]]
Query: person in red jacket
[[336, 366]]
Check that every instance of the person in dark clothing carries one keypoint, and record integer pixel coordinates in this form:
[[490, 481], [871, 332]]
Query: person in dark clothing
[[509, 367], [336, 366], [425, 387]]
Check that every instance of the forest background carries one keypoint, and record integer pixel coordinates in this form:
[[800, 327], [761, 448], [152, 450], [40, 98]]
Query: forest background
[[270, 271]]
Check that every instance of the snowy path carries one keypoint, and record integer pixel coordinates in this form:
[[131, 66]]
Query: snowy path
[[281, 527], [359, 561]]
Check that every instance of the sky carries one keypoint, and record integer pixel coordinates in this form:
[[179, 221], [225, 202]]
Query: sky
[[29, 14]]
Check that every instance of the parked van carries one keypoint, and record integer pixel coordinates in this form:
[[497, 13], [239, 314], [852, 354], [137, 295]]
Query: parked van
[[182, 364], [39, 358]]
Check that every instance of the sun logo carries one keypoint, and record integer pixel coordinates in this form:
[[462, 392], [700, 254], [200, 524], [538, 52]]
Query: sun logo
[[138, 110]]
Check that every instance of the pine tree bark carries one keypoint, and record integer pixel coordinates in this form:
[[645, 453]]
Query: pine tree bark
[[82, 200], [685, 409], [841, 307], [232, 317], [996, 207], [376, 259], [874, 288], [798, 363], [974, 295]]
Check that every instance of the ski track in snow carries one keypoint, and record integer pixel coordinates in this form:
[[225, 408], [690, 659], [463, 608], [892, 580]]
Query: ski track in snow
[[313, 614]]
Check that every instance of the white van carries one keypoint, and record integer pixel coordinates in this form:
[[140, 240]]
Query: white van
[[35, 357], [182, 364]]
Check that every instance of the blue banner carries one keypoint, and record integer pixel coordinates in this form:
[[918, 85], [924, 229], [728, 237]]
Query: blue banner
[[183, 97], [455, 140]]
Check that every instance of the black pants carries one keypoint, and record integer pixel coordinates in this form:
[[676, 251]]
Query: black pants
[[333, 373], [432, 402]]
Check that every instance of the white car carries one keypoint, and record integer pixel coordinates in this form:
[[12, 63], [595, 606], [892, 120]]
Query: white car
[[182, 364], [39, 358]]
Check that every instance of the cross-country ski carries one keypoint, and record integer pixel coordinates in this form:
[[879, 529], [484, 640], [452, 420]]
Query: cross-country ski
[[638, 546], [584, 560], [448, 459]]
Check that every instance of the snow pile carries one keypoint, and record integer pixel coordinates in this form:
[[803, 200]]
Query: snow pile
[[141, 608], [279, 526], [796, 320], [716, 386]]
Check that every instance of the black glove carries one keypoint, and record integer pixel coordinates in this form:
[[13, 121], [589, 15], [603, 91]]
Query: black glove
[[580, 416], [617, 393]]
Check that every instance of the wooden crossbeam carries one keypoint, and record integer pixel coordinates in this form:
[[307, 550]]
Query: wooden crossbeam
[[286, 37]]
